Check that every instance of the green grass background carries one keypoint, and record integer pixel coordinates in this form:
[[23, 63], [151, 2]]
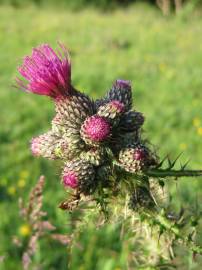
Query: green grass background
[[163, 59]]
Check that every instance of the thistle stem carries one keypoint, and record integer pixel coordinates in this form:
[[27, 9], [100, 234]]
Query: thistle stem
[[163, 173], [168, 225], [173, 173]]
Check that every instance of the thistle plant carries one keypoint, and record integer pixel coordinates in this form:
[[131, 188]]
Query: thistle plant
[[101, 147]]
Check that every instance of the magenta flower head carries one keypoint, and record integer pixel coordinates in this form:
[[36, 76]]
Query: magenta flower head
[[95, 129], [46, 72], [70, 180]]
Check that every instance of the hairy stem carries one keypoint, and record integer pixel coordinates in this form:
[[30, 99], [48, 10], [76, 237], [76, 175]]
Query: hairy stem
[[173, 173], [173, 228], [162, 173]]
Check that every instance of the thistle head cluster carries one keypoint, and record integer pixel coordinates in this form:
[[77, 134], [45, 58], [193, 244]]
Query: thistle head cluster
[[89, 136]]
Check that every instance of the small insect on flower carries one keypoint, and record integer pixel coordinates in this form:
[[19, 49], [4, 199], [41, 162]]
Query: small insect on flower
[[46, 72]]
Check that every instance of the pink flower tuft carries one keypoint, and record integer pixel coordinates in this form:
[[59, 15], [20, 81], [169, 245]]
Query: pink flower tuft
[[70, 179], [119, 106], [46, 72], [97, 128], [139, 154], [123, 84]]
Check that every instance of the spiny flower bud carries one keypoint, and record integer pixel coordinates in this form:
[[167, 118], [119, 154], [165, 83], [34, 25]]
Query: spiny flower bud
[[131, 121], [95, 130], [136, 158], [102, 175], [95, 156], [58, 125], [79, 174], [100, 102], [45, 145], [71, 113], [121, 91], [70, 136], [76, 145], [112, 111], [121, 140], [67, 150], [141, 198], [47, 72], [74, 110]]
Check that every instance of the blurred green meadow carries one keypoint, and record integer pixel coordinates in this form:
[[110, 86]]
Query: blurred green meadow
[[163, 59]]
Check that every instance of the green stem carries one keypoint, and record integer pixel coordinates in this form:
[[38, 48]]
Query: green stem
[[173, 173], [167, 224], [163, 173]]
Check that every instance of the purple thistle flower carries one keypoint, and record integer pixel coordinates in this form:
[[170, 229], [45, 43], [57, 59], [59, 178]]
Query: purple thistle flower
[[46, 72], [70, 180], [96, 128]]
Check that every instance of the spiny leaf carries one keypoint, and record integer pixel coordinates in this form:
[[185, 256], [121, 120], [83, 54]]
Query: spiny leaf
[[171, 164], [183, 167], [161, 162]]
